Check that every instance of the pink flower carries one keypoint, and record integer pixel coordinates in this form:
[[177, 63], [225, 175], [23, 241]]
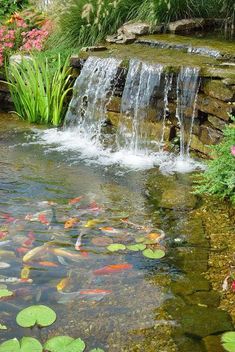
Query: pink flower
[[233, 150], [233, 286], [9, 45]]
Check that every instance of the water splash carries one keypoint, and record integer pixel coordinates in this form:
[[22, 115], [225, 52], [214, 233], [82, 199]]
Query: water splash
[[187, 92]]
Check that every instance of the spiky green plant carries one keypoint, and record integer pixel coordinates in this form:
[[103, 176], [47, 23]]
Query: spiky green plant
[[37, 92]]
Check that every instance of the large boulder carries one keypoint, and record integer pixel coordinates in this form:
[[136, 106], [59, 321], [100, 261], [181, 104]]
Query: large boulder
[[217, 89], [214, 106], [138, 28], [186, 25]]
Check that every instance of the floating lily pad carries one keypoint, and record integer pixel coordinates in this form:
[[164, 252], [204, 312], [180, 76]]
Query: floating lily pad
[[3, 327], [97, 350], [228, 341], [26, 344], [40, 315], [64, 344], [136, 247], [116, 247], [157, 254], [5, 293]]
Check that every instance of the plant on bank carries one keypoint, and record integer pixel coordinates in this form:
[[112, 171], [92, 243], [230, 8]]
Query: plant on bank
[[37, 92], [219, 178]]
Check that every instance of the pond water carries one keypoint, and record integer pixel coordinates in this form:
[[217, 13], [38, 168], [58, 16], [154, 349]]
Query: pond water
[[141, 305]]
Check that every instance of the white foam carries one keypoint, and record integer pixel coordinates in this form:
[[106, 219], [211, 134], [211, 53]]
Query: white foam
[[87, 149]]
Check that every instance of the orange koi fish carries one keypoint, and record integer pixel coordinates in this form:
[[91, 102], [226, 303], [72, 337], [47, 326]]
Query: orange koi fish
[[49, 264], [71, 223], [62, 253], [43, 220], [112, 269], [63, 284], [34, 253], [95, 291], [75, 200]]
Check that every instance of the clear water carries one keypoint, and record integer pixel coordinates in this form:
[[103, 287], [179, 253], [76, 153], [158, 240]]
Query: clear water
[[137, 313]]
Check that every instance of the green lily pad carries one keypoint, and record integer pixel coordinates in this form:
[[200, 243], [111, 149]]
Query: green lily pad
[[27, 344], [40, 315], [116, 247], [157, 254], [64, 344], [136, 247], [140, 239], [97, 350], [5, 293], [228, 341], [3, 327]]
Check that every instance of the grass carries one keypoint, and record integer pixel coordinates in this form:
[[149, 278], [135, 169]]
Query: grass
[[37, 92]]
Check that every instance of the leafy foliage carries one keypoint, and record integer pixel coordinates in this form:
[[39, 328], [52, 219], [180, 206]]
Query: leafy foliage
[[228, 341], [37, 92], [7, 7], [219, 178], [40, 315], [65, 344], [27, 344]]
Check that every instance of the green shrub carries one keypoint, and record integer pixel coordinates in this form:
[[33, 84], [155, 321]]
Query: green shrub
[[8, 7], [219, 178], [37, 92]]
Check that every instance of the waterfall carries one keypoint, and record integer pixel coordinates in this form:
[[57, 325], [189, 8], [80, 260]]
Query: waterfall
[[92, 91], [141, 82], [187, 91]]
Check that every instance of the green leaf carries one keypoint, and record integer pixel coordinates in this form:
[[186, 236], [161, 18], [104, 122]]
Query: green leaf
[[157, 254], [40, 315], [97, 350], [116, 247], [3, 327], [136, 247], [27, 344], [228, 341], [64, 344], [5, 293]]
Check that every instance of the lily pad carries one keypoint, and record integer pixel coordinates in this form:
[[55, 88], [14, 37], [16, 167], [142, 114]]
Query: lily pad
[[97, 350], [3, 327], [228, 341], [40, 315], [64, 344], [26, 344], [116, 247], [157, 254], [5, 293], [136, 247]]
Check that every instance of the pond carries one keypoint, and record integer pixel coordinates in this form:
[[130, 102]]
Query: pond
[[73, 210]]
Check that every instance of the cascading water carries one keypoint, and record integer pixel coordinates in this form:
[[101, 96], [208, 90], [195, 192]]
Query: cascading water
[[92, 91], [141, 82], [187, 91], [147, 89]]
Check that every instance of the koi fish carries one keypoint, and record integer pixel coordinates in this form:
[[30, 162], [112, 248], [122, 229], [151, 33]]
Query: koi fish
[[4, 265], [34, 253], [75, 200], [61, 260], [92, 223], [112, 269], [5, 243], [63, 284], [12, 280], [25, 272], [49, 264], [42, 219], [28, 242], [8, 218], [31, 235], [3, 235], [71, 223], [95, 207], [95, 291], [108, 229], [21, 250], [62, 253]]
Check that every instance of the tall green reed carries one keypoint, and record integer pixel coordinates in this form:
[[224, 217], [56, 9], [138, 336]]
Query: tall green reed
[[37, 92]]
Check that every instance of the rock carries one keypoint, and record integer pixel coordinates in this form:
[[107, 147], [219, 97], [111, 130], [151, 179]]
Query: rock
[[137, 28], [124, 38], [190, 284], [18, 58], [77, 62], [217, 89], [213, 344], [114, 104], [191, 259], [216, 122], [214, 106], [208, 135], [229, 81], [94, 48], [197, 145], [179, 197], [201, 321], [218, 71], [186, 25], [203, 298]]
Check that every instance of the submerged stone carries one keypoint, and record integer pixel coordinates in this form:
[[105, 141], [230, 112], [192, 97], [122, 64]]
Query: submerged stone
[[201, 321], [213, 344], [178, 198], [204, 298]]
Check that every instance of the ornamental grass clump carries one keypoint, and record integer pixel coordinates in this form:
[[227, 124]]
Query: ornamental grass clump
[[219, 178], [39, 93]]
